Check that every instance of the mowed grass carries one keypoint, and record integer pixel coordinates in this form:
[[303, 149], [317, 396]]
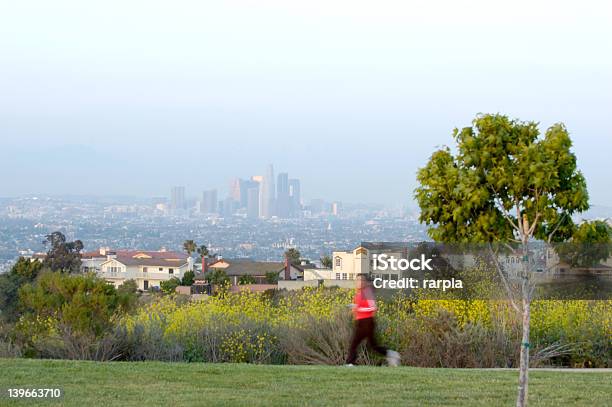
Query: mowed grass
[[180, 384]]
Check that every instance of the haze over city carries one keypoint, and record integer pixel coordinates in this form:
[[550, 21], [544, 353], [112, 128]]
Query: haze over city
[[133, 97]]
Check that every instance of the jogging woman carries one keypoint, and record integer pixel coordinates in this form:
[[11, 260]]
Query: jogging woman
[[364, 311]]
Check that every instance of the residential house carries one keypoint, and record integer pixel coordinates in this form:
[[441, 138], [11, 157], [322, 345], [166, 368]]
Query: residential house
[[258, 270], [346, 265], [556, 266], [147, 268], [91, 261]]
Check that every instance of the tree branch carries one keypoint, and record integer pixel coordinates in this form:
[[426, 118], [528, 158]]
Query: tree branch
[[503, 210], [503, 277], [518, 219], [556, 227], [533, 226]]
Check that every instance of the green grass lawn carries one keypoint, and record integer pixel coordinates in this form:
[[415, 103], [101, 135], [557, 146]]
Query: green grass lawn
[[177, 384]]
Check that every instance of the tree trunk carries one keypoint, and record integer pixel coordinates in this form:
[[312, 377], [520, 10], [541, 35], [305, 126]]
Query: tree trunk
[[521, 400]]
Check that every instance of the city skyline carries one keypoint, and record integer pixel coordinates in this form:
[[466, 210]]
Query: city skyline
[[258, 196], [150, 224]]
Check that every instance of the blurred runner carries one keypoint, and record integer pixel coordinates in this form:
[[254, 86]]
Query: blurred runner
[[364, 310]]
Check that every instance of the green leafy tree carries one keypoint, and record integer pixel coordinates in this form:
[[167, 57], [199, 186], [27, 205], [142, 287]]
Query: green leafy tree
[[128, 287], [589, 245], [505, 185], [169, 286], [27, 269], [243, 280], [218, 277], [190, 247], [326, 262], [188, 278], [272, 277], [293, 255], [441, 267], [83, 302], [24, 271], [62, 255]]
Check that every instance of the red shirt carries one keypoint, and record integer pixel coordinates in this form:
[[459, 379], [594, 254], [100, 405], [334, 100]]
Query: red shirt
[[365, 305]]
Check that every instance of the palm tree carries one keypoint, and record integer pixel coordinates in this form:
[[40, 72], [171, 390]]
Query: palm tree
[[203, 251], [189, 246], [293, 255]]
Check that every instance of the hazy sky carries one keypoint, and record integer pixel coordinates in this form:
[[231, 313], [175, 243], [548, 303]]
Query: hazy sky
[[132, 97]]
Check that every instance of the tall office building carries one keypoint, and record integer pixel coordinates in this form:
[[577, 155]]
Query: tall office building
[[236, 190], [253, 201], [336, 208], [227, 207], [283, 203], [295, 197], [267, 193], [245, 185], [177, 199], [209, 201]]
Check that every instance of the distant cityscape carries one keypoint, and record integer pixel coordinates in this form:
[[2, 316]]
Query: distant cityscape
[[260, 218], [256, 197]]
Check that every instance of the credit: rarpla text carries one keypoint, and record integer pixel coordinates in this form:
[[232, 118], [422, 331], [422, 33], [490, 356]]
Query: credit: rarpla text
[[384, 262]]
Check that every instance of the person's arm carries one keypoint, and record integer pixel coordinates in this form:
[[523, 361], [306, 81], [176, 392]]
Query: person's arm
[[370, 308]]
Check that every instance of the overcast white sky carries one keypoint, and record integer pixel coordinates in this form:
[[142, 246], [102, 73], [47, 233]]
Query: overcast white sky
[[131, 97]]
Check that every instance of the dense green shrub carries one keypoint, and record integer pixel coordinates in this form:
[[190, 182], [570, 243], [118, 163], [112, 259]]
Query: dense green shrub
[[244, 280], [71, 316], [23, 272], [169, 286], [188, 278]]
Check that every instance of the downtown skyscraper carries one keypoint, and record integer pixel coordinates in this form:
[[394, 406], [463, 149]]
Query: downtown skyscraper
[[209, 203], [260, 197], [177, 199], [295, 197], [252, 207], [283, 203], [267, 192]]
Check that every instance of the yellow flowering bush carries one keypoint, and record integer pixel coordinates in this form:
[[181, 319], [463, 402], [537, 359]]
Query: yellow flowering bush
[[36, 328], [241, 346], [254, 327]]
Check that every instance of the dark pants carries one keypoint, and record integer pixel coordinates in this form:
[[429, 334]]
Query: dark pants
[[364, 329]]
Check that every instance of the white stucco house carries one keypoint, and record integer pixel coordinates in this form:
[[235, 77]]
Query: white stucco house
[[147, 268]]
